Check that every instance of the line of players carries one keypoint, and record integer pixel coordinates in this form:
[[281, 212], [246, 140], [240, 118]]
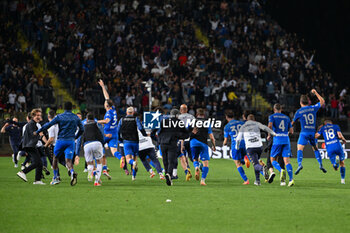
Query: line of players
[[62, 133], [281, 127]]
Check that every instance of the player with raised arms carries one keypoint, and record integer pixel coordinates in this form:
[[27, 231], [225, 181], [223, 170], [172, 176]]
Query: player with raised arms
[[332, 134], [307, 117], [110, 122]]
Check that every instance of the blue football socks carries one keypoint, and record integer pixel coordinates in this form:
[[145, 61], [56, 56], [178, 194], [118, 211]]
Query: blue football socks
[[276, 165], [205, 171], [55, 173], [242, 173], [289, 169], [318, 157], [300, 157], [118, 155], [342, 172]]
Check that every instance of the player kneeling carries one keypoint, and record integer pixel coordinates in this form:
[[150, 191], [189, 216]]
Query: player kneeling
[[332, 135], [92, 140]]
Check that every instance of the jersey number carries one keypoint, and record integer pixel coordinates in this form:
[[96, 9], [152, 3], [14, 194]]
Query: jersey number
[[233, 129], [309, 119], [281, 126], [114, 120], [330, 134]]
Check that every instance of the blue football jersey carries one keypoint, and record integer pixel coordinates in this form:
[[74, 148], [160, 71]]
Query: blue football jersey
[[330, 135], [307, 117], [231, 129], [280, 125], [111, 127]]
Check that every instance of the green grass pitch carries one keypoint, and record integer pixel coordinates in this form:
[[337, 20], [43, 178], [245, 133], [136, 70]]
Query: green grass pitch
[[317, 203]]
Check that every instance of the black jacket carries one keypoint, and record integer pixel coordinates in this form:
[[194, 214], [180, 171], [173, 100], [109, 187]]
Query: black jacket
[[202, 134], [29, 140], [91, 133], [171, 135]]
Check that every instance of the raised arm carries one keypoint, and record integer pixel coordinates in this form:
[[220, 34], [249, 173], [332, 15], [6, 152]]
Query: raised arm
[[320, 98], [3, 129], [105, 93]]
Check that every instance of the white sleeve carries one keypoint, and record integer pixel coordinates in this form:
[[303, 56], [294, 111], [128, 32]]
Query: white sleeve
[[51, 132], [239, 137], [266, 129]]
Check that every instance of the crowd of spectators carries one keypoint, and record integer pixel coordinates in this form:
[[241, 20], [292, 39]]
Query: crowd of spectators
[[20, 88], [127, 42]]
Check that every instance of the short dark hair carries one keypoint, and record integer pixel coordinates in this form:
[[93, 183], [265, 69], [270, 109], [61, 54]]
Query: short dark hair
[[52, 113], [251, 117], [90, 116], [200, 111], [68, 106], [304, 99], [35, 111], [29, 115], [278, 107], [110, 102], [328, 121], [229, 113]]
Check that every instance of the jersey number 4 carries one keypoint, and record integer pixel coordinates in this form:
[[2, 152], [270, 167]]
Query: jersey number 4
[[282, 126]]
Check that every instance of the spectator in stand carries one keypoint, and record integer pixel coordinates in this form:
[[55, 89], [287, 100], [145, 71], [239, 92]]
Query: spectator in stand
[[334, 107]]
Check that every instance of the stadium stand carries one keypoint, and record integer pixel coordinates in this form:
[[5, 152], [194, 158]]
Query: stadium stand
[[212, 54]]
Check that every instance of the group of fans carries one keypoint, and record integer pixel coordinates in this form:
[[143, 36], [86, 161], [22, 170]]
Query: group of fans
[[63, 136]]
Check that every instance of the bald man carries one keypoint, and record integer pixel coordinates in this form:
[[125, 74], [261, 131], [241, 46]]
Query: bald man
[[185, 150], [127, 132]]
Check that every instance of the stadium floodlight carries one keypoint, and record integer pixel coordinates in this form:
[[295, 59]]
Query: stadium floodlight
[[148, 85]]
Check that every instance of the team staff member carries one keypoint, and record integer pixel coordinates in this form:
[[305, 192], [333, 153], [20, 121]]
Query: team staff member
[[168, 138], [15, 137], [29, 145], [146, 150], [250, 133]]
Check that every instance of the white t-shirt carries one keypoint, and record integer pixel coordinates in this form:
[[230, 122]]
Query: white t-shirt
[[53, 133], [39, 144], [250, 132], [12, 98], [144, 142], [22, 99]]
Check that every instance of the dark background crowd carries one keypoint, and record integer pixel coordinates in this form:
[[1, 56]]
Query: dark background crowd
[[127, 42]]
